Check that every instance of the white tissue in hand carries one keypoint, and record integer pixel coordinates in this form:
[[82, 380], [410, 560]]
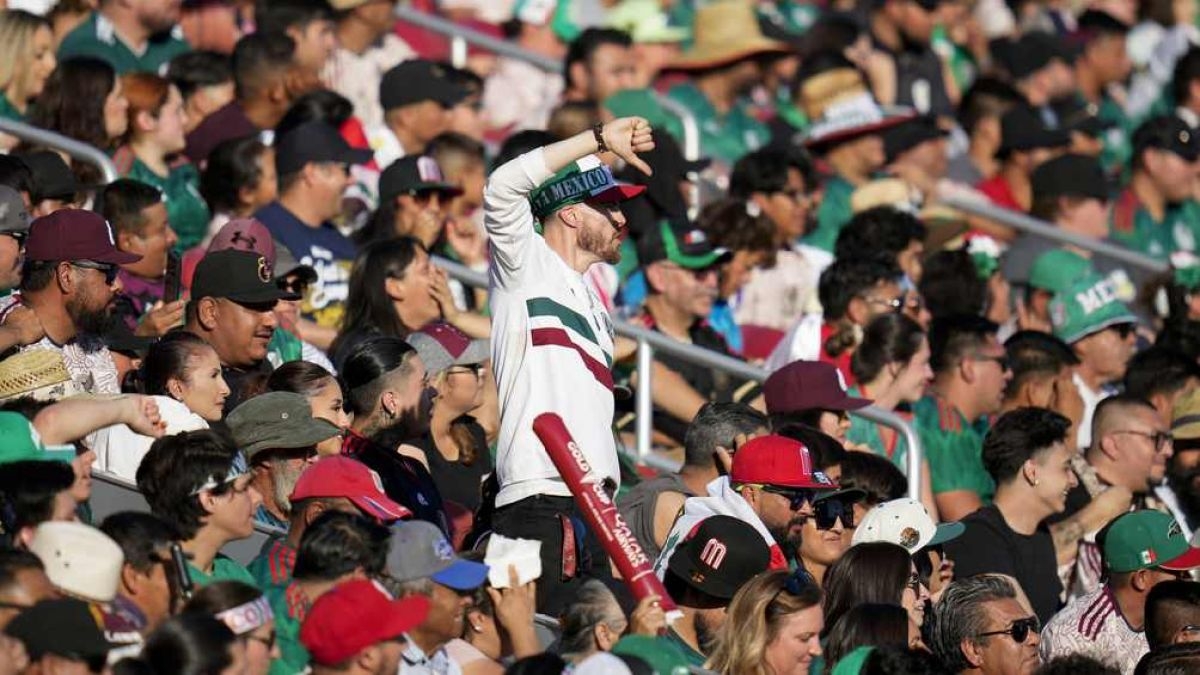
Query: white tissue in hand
[[523, 554]]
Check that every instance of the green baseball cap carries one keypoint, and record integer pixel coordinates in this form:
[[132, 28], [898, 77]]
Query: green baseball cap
[[690, 248], [1055, 270], [646, 22], [277, 420], [1088, 306], [664, 657], [852, 663], [1147, 538], [20, 442], [585, 180]]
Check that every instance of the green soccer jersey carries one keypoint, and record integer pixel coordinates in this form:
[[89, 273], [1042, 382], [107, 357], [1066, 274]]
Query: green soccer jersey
[[1132, 225], [186, 209], [953, 446], [833, 214], [223, 569], [290, 606], [866, 433], [9, 111], [722, 137], [1117, 140], [97, 37]]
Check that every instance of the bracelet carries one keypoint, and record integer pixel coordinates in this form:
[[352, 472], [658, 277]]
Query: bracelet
[[598, 132]]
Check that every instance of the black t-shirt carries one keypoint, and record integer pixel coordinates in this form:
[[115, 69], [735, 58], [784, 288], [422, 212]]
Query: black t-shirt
[[404, 478], [245, 384], [989, 545], [457, 482]]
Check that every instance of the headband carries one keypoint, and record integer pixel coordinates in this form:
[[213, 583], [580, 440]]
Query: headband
[[247, 617]]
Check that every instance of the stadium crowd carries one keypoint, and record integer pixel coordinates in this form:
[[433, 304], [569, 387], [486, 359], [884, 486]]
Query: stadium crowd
[[255, 417]]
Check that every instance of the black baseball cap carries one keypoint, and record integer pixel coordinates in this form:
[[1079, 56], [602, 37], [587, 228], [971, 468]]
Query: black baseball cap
[[65, 627], [419, 80], [241, 276], [52, 178], [1076, 114], [413, 175], [1032, 52], [908, 135], [1070, 176], [1022, 128], [721, 555], [1095, 22], [314, 141], [1167, 132], [688, 248]]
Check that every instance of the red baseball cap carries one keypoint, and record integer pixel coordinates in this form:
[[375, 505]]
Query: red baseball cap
[[349, 479], [355, 615], [808, 385], [780, 461], [75, 234]]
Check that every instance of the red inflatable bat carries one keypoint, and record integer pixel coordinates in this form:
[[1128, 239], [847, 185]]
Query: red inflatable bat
[[600, 511]]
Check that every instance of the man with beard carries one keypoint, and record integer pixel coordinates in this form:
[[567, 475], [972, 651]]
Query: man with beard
[[232, 308], [1182, 492], [279, 435], [131, 36], [69, 282], [552, 339], [910, 73]]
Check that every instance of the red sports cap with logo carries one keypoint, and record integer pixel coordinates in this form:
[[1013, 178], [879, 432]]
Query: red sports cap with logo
[[777, 460], [355, 615], [350, 479]]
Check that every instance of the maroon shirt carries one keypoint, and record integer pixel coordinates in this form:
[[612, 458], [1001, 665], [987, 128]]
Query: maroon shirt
[[226, 123]]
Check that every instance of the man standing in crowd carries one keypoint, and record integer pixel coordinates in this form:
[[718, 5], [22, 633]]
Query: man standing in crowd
[[1103, 63], [313, 163], [1025, 143], [140, 36], [145, 540], [552, 342], [70, 283], [1141, 550]]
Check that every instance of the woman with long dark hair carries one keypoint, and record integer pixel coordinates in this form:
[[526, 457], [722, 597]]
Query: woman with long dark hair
[[325, 395], [83, 100], [876, 572], [870, 624], [188, 644]]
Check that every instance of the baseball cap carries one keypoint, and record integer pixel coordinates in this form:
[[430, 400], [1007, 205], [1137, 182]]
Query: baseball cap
[[646, 22], [689, 248], [584, 180], [441, 345], [808, 385], [1167, 132], [418, 80], [419, 550], [721, 554], [1088, 306], [1022, 128], [1032, 52], [854, 662], [1055, 270], [75, 234], [1185, 417], [355, 615], [909, 134], [20, 442], [277, 420], [52, 178], [1070, 176], [1076, 114], [241, 276], [413, 175], [64, 627], [249, 234], [14, 218], [904, 522], [311, 142], [777, 460], [350, 479], [664, 657], [79, 559], [1142, 539]]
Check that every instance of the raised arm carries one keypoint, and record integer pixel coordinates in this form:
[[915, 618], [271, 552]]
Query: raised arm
[[70, 420]]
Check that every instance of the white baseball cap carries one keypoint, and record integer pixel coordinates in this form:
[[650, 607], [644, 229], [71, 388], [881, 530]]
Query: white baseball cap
[[80, 559], [904, 522]]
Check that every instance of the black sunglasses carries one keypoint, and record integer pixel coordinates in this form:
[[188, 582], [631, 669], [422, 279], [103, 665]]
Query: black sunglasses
[[797, 497], [924, 561], [828, 511], [1124, 330], [1019, 630], [109, 270]]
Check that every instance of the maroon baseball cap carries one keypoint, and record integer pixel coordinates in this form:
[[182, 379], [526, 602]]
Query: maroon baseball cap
[[350, 479], [75, 234], [808, 385], [441, 345], [355, 615], [777, 460]]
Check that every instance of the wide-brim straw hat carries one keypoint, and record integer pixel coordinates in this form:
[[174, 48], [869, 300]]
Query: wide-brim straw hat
[[849, 118], [942, 223], [725, 32], [40, 373]]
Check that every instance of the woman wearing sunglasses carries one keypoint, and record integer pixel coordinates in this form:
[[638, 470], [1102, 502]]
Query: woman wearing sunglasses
[[822, 540], [876, 572], [245, 610], [774, 626]]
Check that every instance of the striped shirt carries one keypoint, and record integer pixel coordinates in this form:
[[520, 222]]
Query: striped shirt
[[552, 343], [1093, 625]]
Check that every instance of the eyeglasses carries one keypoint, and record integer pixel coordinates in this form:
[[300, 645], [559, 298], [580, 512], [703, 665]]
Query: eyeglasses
[[894, 304], [699, 274], [914, 583], [797, 497], [1001, 361], [295, 285], [1159, 438], [1019, 630], [268, 641], [827, 512], [109, 270], [19, 236], [475, 369]]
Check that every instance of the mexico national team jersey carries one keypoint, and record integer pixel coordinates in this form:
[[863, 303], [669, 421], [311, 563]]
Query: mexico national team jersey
[[1092, 625]]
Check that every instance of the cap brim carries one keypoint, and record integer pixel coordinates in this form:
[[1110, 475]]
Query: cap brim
[[452, 190], [945, 532], [1189, 560], [59, 453], [356, 156], [117, 257], [683, 567], [849, 403], [621, 192], [1103, 325], [269, 293], [852, 494], [313, 431], [452, 95], [407, 613], [477, 351], [381, 507], [844, 135], [462, 575], [698, 60], [699, 262], [306, 273]]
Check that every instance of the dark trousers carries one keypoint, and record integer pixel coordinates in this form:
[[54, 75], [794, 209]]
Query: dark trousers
[[540, 517]]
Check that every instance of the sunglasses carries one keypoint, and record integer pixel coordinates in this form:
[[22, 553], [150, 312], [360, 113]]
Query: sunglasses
[[268, 642], [296, 286], [924, 561], [109, 270], [1159, 438], [1001, 361], [1019, 630], [827, 512], [797, 497], [1124, 330]]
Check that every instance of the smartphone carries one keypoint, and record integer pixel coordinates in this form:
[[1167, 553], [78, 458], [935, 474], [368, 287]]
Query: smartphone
[[182, 576], [172, 281]]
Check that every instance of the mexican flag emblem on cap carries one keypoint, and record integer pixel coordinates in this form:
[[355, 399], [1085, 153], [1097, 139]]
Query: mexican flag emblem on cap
[[1148, 557]]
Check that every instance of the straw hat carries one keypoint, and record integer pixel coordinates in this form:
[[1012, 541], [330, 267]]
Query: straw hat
[[725, 32], [824, 89], [39, 373], [942, 223], [846, 119]]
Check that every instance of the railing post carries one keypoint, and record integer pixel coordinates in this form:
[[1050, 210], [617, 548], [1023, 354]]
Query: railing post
[[903, 427], [55, 141], [691, 146], [645, 400]]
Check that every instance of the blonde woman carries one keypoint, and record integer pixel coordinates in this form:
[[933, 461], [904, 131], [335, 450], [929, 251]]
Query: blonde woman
[[773, 627], [26, 61]]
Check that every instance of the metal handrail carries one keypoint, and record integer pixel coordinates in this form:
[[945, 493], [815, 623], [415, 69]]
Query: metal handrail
[[55, 141], [1030, 225], [650, 341]]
